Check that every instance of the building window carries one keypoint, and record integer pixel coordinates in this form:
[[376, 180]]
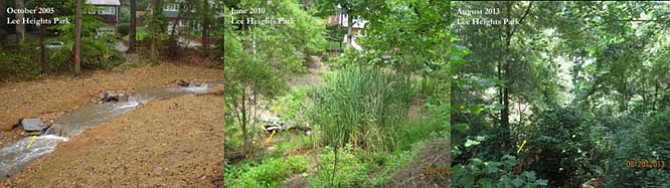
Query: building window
[[171, 7], [107, 11]]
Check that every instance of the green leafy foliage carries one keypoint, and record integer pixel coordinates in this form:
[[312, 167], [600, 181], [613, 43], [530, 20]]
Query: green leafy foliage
[[350, 170], [96, 51], [561, 139], [585, 90], [276, 43], [141, 34], [418, 129], [123, 28], [479, 173], [233, 172], [272, 172], [299, 143], [292, 106], [640, 142]]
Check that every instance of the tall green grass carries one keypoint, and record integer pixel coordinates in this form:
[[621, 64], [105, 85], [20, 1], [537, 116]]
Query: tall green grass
[[361, 106]]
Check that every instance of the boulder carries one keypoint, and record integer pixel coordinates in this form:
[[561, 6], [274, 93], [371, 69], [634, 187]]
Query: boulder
[[187, 83], [133, 57], [274, 125], [33, 125], [182, 83], [108, 96]]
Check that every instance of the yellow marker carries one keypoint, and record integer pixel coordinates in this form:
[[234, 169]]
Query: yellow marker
[[522, 144], [273, 133], [31, 141]]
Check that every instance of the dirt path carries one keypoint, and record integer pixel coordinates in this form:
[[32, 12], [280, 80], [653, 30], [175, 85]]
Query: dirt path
[[170, 143], [436, 157], [55, 96]]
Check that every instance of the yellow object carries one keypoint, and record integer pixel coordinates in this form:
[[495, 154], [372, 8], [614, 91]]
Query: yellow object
[[522, 144], [31, 141], [273, 133]]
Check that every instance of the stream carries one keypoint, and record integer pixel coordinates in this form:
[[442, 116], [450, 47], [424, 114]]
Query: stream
[[14, 157]]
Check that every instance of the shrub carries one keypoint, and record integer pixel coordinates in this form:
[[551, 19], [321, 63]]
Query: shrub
[[234, 172], [123, 28], [95, 52], [384, 165], [640, 141], [561, 138], [349, 172], [272, 172], [291, 107], [479, 173], [417, 129]]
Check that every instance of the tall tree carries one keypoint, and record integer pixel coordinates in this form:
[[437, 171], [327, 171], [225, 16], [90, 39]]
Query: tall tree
[[2, 23], [173, 40], [269, 67], [77, 38], [205, 27], [20, 28], [43, 61], [155, 29], [133, 26]]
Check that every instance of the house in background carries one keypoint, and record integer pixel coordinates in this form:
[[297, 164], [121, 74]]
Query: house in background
[[108, 13], [185, 21], [171, 13], [342, 20]]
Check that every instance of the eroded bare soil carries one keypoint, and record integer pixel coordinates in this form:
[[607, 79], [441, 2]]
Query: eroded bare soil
[[169, 143]]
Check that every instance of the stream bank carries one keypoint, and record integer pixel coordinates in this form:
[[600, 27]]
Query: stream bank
[[175, 142]]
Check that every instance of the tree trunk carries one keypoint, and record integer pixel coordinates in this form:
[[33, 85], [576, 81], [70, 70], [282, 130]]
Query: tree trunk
[[653, 104], [339, 29], [223, 68], [205, 26], [173, 46], [644, 93], [154, 28], [43, 61], [501, 88], [77, 38], [133, 26], [20, 28], [508, 80], [350, 20], [2, 21], [245, 133]]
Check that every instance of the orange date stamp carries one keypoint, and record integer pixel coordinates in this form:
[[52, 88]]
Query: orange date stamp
[[437, 171], [643, 163]]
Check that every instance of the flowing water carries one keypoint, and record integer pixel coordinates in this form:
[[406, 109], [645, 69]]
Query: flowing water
[[16, 156]]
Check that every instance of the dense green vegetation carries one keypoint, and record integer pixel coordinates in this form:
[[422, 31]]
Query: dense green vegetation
[[21, 57], [362, 107], [583, 91], [368, 117], [569, 94]]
